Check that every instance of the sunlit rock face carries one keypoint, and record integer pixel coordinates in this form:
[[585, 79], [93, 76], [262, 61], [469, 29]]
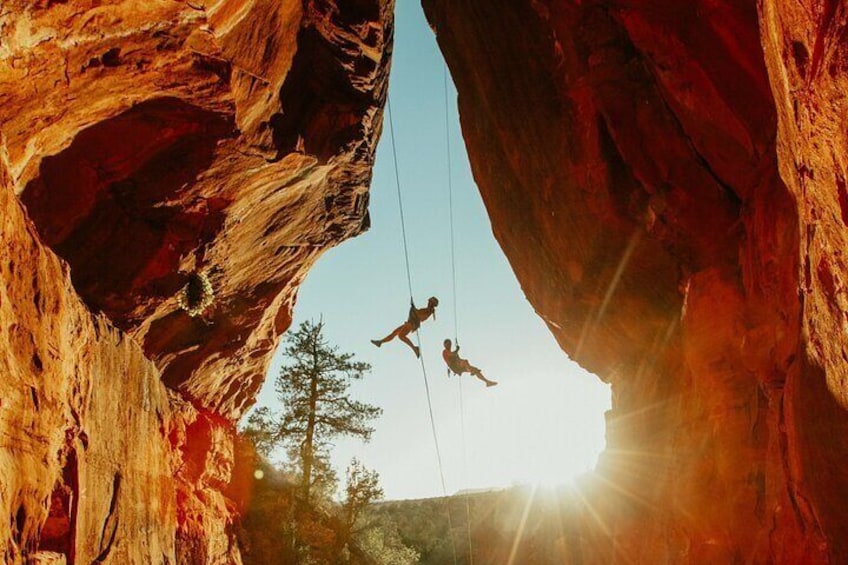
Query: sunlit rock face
[[83, 411], [667, 180], [144, 145]]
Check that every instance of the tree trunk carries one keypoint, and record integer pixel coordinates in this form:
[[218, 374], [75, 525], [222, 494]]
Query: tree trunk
[[307, 449]]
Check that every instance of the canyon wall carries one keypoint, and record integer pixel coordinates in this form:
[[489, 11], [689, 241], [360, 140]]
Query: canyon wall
[[667, 180], [159, 157]]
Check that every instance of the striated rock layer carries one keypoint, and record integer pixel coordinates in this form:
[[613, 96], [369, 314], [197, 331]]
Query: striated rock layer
[[153, 144], [667, 180]]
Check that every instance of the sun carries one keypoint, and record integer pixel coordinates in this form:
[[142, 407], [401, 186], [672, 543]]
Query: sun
[[544, 429]]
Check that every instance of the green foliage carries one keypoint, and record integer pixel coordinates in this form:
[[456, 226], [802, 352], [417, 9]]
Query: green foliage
[[362, 488], [423, 526], [384, 546], [292, 518], [279, 528], [312, 387], [313, 363], [267, 532], [529, 525]]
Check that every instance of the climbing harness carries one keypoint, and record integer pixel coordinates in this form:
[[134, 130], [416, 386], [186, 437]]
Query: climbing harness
[[413, 319]]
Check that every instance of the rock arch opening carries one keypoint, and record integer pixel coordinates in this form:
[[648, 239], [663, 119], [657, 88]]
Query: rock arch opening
[[499, 331]]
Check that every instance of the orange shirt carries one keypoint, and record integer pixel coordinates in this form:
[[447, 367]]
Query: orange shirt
[[451, 359]]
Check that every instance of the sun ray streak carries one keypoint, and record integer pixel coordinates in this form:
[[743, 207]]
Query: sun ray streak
[[594, 513], [621, 419], [520, 533], [605, 528], [627, 493], [589, 326]]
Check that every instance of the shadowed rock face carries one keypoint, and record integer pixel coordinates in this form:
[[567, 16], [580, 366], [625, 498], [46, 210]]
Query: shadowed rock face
[[675, 212], [109, 204], [153, 144]]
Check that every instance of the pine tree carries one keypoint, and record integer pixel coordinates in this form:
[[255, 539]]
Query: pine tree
[[297, 521], [313, 387]]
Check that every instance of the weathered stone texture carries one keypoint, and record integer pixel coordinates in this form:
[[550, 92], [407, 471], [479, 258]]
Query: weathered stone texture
[[626, 152], [82, 419], [151, 142]]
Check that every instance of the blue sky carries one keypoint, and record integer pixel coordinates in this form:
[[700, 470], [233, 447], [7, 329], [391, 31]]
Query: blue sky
[[544, 422]]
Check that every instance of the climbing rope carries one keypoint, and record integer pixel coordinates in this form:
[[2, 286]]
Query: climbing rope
[[465, 476], [418, 330], [456, 311], [450, 208], [399, 197]]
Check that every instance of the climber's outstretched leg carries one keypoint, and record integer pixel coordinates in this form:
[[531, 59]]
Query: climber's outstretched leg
[[479, 374], [401, 332], [404, 338], [395, 333]]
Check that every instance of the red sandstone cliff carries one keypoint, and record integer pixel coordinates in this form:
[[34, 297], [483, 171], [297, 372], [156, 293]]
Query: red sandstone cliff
[[151, 143], [667, 180]]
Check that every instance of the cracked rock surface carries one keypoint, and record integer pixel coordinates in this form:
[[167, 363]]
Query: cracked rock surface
[[145, 145], [667, 181]]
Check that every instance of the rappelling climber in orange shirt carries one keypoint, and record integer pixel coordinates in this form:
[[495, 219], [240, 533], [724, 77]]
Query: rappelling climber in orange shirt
[[416, 316], [458, 365]]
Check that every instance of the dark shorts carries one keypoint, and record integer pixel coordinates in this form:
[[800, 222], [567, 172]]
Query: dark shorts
[[459, 366]]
